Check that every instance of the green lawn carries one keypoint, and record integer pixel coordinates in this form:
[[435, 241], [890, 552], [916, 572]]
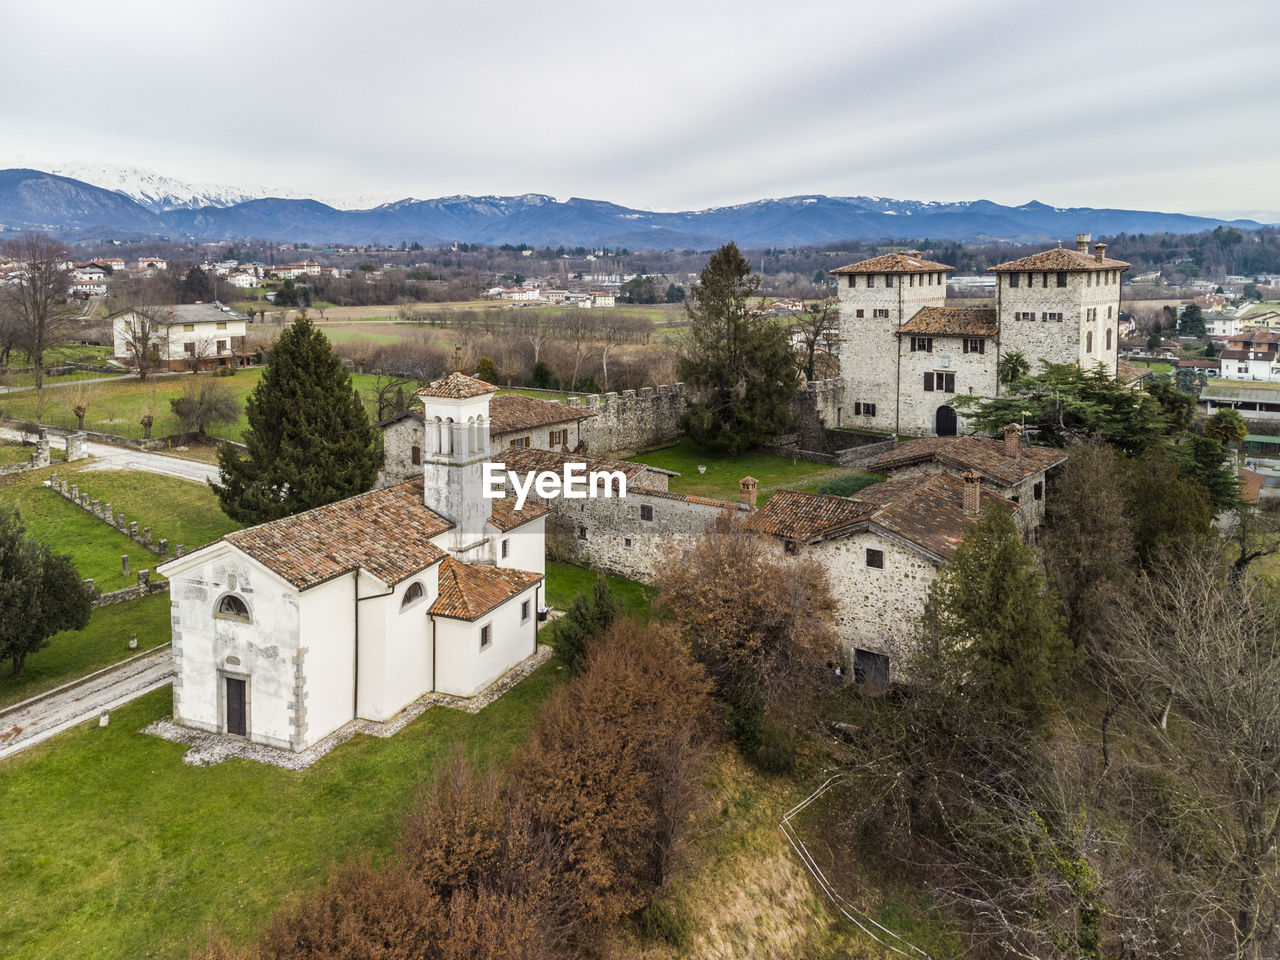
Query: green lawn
[[111, 847], [117, 406], [1155, 366], [565, 581], [104, 641], [66, 528], [720, 482], [179, 511], [11, 453]]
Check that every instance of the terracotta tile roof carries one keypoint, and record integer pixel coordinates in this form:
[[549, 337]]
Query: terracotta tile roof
[[1129, 372], [457, 386], [970, 453], [506, 517], [1060, 259], [469, 591], [805, 517], [952, 321], [928, 510], [385, 532], [1250, 485], [524, 459], [1247, 354], [515, 411], [683, 498], [902, 261]]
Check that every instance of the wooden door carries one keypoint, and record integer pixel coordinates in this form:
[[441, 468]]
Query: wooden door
[[945, 422], [235, 707]]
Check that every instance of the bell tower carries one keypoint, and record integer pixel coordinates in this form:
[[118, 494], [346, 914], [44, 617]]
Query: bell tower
[[455, 449]]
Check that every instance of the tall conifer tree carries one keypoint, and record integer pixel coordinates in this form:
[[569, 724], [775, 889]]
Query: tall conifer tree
[[309, 438]]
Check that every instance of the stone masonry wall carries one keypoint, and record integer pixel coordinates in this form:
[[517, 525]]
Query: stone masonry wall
[[632, 420], [974, 373]]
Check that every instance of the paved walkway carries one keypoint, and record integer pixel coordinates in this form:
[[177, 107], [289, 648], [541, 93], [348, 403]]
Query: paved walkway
[[36, 720], [108, 457]]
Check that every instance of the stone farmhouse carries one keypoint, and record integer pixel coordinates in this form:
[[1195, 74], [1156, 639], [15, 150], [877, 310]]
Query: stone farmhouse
[[284, 632], [187, 336], [905, 353], [881, 550]]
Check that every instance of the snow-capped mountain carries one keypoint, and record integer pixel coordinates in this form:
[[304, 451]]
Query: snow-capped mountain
[[154, 190]]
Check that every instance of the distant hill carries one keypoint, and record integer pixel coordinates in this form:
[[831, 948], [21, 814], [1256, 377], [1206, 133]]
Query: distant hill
[[30, 199]]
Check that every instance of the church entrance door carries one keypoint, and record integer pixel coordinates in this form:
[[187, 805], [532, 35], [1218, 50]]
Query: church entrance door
[[944, 422], [235, 707]]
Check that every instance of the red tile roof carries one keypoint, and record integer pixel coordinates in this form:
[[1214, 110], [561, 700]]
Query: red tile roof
[[457, 386], [1060, 259], [902, 261], [952, 321], [1250, 485], [515, 411], [1130, 373], [385, 532], [506, 517], [928, 510], [805, 517], [468, 592], [525, 459], [970, 453]]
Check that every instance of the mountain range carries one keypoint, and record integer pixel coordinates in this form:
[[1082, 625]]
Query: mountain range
[[155, 206]]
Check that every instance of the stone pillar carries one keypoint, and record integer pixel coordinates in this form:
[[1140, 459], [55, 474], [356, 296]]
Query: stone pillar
[[164, 548], [181, 550], [42, 457], [106, 512], [88, 584], [124, 563], [53, 479], [75, 492], [144, 578], [97, 508], [77, 447], [146, 536], [84, 501], [133, 529]]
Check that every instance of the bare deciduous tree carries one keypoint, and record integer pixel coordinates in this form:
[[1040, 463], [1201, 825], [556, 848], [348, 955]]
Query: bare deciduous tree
[[145, 336], [1205, 648], [812, 330], [43, 313]]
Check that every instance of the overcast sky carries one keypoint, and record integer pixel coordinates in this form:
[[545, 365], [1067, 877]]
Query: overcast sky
[[1154, 105]]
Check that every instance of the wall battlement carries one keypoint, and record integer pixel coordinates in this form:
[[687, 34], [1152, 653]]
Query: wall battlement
[[632, 419]]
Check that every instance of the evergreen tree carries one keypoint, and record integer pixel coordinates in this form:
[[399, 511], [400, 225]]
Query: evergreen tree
[[309, 437], [1191, 322], [588, 616], [1205, 461], [1166, 509], [487, 370], [41, 593], [196, 286], [1227, 427], [737, 363], [992, 608]]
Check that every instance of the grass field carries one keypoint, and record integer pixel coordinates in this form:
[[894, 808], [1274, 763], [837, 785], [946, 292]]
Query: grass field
[[720, 482], [118, 406], [565, 581], [95, 547], [111, 847], [176, 510], [1155, 365], [104, 641]]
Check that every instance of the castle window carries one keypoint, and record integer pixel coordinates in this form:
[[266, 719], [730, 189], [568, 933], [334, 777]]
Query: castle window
[[1108, 313], [486, 635], [1013, 279], [520, 442], [859, 314], [868, 409], [1088, 342], [875, 559], [646, 511], [1037, 492], [911, 281], [943, 382], [415, 455], [1062, 278], [1044, 280], [524, 611], [790, 546], [871, 280], [232, 607], [930, 276], [506, 549], [411, 596], [882, 313], [1108, 338], [922, 344], [975, 345], [939, 279], [626, 542], [857, 408], [888, 279], [853, 281], [1088, 280], [559, 438], [582, 533]]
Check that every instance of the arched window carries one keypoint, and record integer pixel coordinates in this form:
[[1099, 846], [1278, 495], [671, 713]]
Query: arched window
[[1088, 342], [1108, 338], [415, 593], [232, 607]]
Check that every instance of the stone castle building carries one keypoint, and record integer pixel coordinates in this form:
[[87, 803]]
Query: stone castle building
[[905, 354]]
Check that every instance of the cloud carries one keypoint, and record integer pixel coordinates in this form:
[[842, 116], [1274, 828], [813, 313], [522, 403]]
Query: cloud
[[660, 105]]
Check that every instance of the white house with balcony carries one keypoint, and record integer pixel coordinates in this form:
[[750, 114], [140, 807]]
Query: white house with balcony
[[182, 336]]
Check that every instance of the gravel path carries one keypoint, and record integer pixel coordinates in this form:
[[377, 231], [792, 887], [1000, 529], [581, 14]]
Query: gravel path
[[107, 457], [35, 720]]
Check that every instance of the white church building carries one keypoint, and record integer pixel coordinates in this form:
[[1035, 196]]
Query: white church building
[[284, 632]]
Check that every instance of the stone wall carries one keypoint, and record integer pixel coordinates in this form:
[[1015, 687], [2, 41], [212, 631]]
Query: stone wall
[[40, 458], [144, 588], [632, 420], [974, 373], [117, 521]]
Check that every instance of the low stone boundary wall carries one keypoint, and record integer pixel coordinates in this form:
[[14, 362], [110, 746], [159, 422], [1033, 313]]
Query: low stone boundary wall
[[106, 513], [844, 448], [40, 458], [155, 444], [144, 588]]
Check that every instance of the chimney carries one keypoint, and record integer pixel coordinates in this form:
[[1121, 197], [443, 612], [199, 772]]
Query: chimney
[[972, 490], [1100, 251], [747, 491], [1012, 440], [1082, 242]]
